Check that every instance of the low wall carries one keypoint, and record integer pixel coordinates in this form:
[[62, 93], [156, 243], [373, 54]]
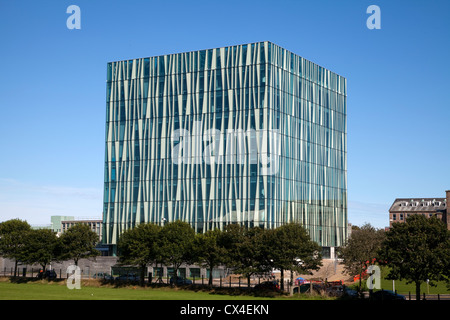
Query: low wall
[[101, 264], [88, 266]]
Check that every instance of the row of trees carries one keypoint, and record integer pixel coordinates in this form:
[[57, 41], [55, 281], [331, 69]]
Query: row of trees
[[248, 251], [18, 241], [417, 251]]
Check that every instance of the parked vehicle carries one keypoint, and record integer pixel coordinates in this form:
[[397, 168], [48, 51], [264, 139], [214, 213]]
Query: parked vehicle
[[307, 287], [127, 278], [48, 274], [386, 295], [268, 285], [350, 293], [180, 281], [335, 291], [102, 275]]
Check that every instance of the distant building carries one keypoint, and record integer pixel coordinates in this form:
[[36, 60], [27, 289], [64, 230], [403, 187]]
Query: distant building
[[60, 224], [56, 222], [349, 230], [404, 207], [94, 225]]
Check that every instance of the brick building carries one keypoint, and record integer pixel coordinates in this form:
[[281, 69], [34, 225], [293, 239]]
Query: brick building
[[403, 207]]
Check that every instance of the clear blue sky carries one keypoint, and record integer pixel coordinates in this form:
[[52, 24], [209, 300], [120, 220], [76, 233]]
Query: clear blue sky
[[52, 89]]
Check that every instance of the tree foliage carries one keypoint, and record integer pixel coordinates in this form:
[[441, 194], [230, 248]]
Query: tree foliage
[[208, 252], [140, 246], [248, 251], [417, 250], [361, 249], [252, 251], [78, 242], [244, 247], [42, 246], [289, 247], [12, 240], [176, 244]]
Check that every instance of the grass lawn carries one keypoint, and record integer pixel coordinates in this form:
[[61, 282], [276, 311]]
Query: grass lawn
[[43, 290], [403, 288]]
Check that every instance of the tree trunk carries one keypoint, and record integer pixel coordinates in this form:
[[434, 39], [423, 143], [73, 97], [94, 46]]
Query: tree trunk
[[210, 280], [417, 290], [248, 281], [360, 276], [282, 279], [175, 275], [160, 273], [15, 268], [142, 277]]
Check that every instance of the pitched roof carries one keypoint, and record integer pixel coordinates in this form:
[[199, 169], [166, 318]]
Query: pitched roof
[[419, 205]]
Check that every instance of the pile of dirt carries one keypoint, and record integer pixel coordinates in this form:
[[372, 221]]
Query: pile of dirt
[[331, 270]]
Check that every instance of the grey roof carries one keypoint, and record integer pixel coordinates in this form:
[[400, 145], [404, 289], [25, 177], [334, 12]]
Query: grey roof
[[419, 205]]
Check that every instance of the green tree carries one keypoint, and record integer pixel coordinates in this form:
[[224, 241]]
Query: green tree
[[244, 247], [42, 246], [289, 247], [176, 244], [229, 239], [417, 250], [208, 252], [78, 242], [12, 239], [360, 250], [140, 246], [252, 258]]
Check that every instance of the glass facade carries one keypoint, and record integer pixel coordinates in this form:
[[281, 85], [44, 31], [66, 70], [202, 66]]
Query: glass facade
[[250, 134]]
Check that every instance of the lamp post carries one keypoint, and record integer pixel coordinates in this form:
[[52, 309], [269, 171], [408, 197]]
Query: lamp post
[[160, 276]]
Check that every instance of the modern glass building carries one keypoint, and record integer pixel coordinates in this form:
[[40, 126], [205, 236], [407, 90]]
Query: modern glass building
[[250, 134]]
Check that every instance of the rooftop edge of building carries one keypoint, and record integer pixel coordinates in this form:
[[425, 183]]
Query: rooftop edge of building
[[229, 46]]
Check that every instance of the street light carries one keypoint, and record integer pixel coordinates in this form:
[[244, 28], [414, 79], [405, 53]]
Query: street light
[[163, 221]]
